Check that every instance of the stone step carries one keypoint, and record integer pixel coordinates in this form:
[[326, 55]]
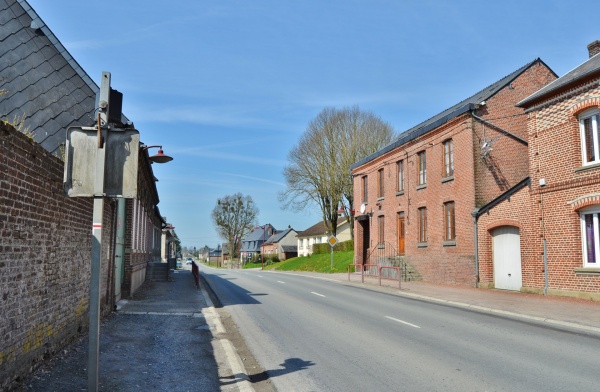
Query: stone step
[[158, 272]]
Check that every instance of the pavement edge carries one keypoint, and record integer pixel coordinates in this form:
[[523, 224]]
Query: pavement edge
[[231, 357]]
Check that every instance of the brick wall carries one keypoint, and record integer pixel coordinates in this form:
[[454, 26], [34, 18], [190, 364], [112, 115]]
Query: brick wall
[[45, 253], [555, 156]]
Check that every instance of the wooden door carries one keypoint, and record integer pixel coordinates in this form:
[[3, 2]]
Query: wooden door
[[401, 233]]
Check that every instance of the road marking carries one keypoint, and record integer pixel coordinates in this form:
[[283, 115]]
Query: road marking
[[279, 281], [260, 276], [320, 295], [402, 322]]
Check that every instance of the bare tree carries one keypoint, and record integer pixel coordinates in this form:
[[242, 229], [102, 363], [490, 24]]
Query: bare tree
[[319, 165], [233, 217]]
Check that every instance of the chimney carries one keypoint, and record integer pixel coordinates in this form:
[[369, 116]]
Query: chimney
[[594, 48]]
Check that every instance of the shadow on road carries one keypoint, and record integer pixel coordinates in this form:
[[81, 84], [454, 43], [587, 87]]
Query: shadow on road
[[290, 365]]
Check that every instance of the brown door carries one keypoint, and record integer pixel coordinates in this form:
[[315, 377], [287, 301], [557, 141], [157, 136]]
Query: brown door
[[401, 232]]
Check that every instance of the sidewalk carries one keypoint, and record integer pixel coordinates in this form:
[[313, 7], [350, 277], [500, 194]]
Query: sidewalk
[[158, 341], [563, 311]]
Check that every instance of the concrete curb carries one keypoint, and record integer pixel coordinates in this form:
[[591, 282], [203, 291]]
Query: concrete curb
[[241, 379]]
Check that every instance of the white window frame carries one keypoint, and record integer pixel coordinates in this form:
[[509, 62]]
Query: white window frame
[[400, 170], [422, 160], [448, 158], [591, 114], [595, 212]]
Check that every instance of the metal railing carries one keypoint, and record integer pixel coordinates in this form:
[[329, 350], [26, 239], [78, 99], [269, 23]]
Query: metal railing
[[385, 255], [358, 269], [374, 271]]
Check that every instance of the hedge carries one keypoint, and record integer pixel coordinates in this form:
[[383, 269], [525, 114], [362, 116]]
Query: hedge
[[339, 247]]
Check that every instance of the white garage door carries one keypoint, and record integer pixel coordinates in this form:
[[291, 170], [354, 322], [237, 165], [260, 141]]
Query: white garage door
[[506, 243]]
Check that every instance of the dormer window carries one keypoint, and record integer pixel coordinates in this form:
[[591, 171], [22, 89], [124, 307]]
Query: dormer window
[[588, 125]]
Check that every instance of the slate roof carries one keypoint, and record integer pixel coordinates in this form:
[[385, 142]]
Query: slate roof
[[318, 229], [463, 106], [43, 82], [278, 236], [588, 69], [256, 235]]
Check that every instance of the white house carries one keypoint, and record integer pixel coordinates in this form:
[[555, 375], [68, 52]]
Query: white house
[[317, 234]]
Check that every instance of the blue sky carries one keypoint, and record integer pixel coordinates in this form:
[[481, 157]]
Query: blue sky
[[228, 87]]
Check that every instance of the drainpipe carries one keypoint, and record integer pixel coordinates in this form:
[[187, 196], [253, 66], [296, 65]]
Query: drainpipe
[[120, 248], [475, 215]]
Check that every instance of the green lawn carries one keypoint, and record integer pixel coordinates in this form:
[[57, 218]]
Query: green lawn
[[313, 263]]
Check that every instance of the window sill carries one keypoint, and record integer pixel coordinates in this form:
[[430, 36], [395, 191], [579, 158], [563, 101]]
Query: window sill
[[447, 179], [423, 186], [400, 193], [421, 244], [587, 271], [382, 198], [449, 243], [587, 167]]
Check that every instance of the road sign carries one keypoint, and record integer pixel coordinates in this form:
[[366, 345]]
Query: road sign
[[332, 241], [121, 164]]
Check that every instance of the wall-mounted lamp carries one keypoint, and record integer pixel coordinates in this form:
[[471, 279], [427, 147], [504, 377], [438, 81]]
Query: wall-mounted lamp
[[160, 157]]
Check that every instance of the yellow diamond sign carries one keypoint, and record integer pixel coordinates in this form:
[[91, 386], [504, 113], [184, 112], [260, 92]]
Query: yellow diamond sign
[[332, 240]]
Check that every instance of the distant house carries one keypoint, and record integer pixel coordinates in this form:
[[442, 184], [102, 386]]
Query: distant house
[[168, 246], [203, 253], [282, 243], [252, 243], [318, 234]]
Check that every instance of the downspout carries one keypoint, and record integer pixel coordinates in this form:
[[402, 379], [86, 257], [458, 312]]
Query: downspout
[[475, 215], [120, 248]]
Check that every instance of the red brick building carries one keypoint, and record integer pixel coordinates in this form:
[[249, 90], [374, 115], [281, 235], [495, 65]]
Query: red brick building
[[415, 197], [554, 217]]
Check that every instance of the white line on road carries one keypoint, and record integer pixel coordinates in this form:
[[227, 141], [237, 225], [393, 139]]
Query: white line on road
[[260, 276], [279, 281], [403, 322], [320, 295]]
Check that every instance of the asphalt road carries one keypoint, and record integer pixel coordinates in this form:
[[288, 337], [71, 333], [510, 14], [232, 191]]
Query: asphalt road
[[318, 335]]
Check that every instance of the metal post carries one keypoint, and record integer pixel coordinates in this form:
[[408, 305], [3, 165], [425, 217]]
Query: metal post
[[94, 331], [331, 257]]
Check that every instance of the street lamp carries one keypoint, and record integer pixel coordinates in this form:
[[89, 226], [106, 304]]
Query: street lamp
[[160, 157]]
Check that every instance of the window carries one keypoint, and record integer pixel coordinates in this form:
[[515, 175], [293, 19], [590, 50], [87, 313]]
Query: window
[[380, 183], [422, 168], [590, 238], [400, 170], [588, 125], [381, 225], [449, 231], [422, 224], [448, 158], [365, 188]]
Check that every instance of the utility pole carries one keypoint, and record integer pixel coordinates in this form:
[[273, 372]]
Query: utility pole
[[94, 332]]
